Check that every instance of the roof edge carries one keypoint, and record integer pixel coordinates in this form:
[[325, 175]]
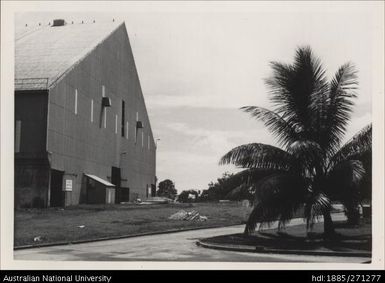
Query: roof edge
[[99, 180], [21, 84]]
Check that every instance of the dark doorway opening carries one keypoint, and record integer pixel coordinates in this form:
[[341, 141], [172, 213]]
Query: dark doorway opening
[[124, 194], [92, 192], [153, 190], [116, 179], [57, 195]]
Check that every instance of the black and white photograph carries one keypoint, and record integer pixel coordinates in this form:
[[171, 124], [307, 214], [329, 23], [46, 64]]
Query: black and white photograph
[[192, 134]]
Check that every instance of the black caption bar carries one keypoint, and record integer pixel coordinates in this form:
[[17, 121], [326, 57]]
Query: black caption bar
[[112, 276]]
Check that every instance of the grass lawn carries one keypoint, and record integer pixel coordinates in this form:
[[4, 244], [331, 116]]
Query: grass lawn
[[62, 225]]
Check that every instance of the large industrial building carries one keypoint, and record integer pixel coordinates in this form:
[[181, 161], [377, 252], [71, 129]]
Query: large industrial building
[[82, 133]]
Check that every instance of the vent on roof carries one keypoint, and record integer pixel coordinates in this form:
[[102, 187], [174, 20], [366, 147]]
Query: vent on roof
[[58, 22]]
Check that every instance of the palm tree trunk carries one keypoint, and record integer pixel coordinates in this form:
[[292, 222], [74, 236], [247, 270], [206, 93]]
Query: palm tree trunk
[[328, 224], [251, 222], [353, 214]]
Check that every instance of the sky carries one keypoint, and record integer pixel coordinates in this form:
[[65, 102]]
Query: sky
[[199, 62]]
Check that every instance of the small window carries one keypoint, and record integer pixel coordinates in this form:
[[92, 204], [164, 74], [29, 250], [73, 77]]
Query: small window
[[17, 135], [136, 135], [103, 91], [136, 127], [92, 110], [105, 117], [76, 101], [148, 141], [106, 102], [127, 125], [123, 119], [116, 124]]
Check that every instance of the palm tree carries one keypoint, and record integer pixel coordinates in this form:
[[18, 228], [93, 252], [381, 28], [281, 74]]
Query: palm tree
[[310, 167]]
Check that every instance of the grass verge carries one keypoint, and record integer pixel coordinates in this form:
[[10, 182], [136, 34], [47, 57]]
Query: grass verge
[[89, 222]]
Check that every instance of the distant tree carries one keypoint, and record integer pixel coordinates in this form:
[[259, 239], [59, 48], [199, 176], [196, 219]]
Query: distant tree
[[188, 196], [215, 191], [167, 189], [231, 187]]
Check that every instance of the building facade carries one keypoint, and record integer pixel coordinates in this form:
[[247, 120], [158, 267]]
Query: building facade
[[82, 132]]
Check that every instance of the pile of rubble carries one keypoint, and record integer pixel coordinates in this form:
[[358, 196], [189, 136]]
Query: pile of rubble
[[188, 216]]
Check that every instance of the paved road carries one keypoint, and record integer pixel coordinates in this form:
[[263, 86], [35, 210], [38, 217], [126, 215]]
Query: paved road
[[166, 247]]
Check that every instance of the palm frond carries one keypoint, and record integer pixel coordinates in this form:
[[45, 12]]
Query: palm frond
[[355, 147], [243, 182], [275, 123], [237, 191], [254, 218], [344, 178], [308, 156], [319, 109], [294, 88], [339, 106], [315, 206], [345, 185], [258, 155], [305, 151], [277, 197]]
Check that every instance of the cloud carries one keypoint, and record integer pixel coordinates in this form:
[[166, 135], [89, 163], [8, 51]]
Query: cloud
[[218, 142], [195, 161], [190, 169], [209, 141], [217, 99]]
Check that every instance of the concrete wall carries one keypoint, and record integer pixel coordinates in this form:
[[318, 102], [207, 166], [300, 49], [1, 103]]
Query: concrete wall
[[79, 145]]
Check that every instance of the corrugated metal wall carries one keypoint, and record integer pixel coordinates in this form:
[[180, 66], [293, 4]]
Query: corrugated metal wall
[[80, 145]]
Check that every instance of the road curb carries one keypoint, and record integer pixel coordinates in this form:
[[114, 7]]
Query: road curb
[[120, 237], [260, 249]]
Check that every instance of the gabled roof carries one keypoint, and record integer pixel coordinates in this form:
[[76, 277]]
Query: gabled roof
[[44, 54], [100, 180]]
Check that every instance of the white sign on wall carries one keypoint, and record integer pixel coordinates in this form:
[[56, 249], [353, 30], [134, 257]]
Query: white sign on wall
[[68, 186]]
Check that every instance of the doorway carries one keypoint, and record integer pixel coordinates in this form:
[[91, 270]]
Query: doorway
[[153, 190], [124, 194], [57, 195], [116, 179]]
